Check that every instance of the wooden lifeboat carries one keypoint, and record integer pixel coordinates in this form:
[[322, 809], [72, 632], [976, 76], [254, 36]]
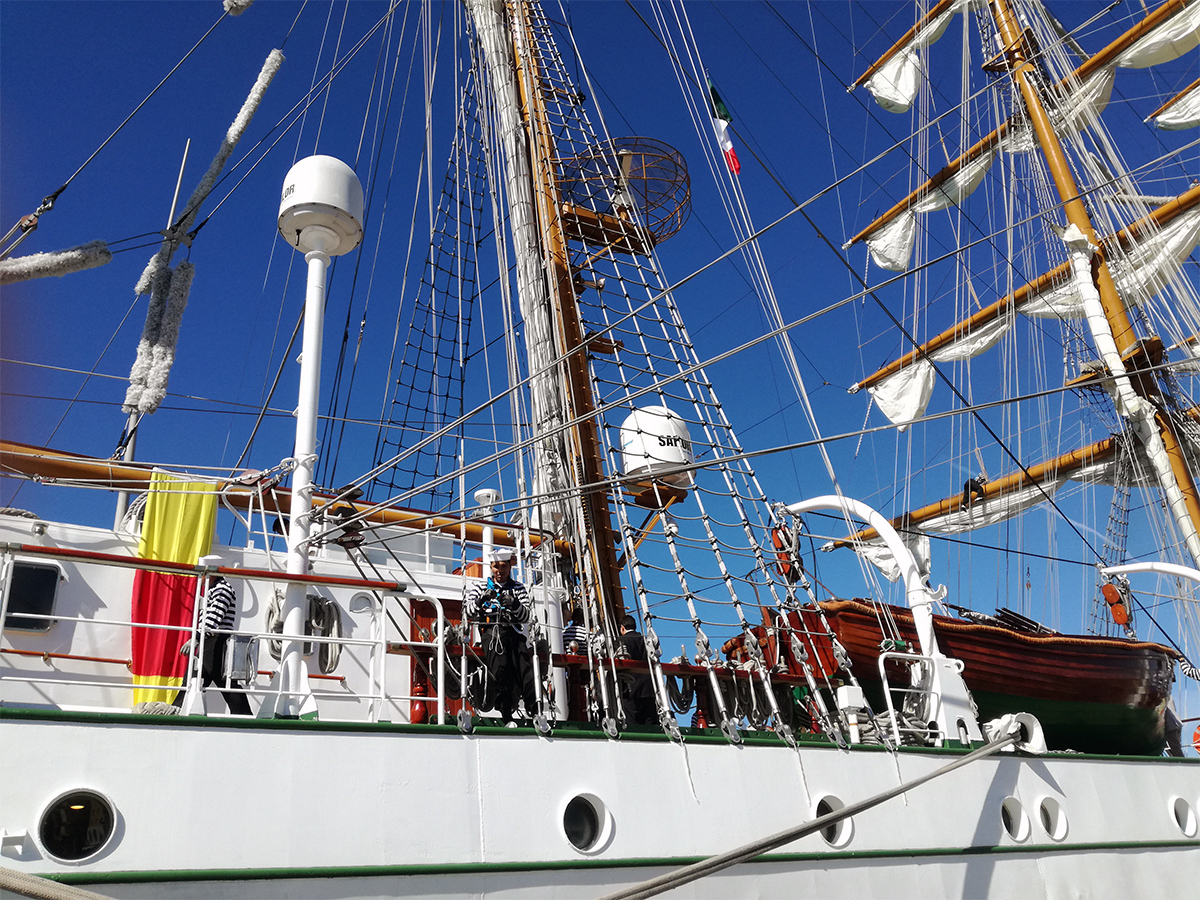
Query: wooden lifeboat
[[1091, 694]]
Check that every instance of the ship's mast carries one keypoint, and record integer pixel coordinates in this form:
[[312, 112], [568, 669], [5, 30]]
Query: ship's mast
[[1108, 321], [569, 480]]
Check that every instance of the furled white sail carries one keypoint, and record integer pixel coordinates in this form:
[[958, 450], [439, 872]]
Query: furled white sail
[[905, 395], [1081, 99], [1146, 267], [982, 513], [1140, 272], [891, 245], [1082, 104], [1170, 40], [895, 84], [1182, 112], [876, 552]]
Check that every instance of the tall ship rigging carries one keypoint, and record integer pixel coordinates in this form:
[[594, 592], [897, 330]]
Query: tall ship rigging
[[543, 400]]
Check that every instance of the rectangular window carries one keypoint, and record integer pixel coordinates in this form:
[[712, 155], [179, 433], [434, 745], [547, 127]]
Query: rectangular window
[[31, 591]]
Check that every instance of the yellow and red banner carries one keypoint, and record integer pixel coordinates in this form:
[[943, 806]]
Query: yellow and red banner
[[177, 527]]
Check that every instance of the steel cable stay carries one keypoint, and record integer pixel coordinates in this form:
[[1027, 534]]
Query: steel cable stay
[[747, 853]]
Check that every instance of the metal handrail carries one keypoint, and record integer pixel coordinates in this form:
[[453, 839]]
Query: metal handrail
[[921, 689]]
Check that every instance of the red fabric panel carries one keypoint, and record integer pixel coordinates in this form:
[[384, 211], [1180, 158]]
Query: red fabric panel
[[161, 598]]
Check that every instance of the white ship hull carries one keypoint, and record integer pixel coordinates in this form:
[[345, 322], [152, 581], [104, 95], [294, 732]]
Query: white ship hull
[[355, 805], [219, 809], [210, 808]]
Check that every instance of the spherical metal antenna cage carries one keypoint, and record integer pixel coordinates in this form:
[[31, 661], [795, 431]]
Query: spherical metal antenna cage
[[642, 177]]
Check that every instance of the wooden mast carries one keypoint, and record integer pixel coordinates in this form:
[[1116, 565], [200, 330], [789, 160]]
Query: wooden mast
[[1159, 218], [1151, 424], [587, 454], [1087, 68]]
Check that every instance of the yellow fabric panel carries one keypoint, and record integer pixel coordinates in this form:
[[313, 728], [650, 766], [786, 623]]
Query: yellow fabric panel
[[148, 688], [180, 517]]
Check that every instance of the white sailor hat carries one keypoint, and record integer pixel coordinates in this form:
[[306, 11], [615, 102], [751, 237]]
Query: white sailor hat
[[502, 554]]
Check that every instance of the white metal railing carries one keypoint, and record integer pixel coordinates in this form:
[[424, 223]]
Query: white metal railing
[[916, 716], [375, 694]]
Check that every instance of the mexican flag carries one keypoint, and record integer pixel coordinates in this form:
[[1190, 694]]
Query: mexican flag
[[721, 121]]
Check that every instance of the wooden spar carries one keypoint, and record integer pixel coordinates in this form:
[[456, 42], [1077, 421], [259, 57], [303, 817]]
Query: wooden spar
[[1175, 478], [51, 465], [1098, 61], [924, 21], [588, 455], [947, 172], [1162, 109], [1061, 465], [1085, 69], [1159, 218]]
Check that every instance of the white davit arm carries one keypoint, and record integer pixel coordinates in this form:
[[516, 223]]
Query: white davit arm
[[1158, 568], [952, 707], [918, 594]]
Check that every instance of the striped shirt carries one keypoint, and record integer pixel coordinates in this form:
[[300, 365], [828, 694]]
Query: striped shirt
[[220, 605], [508, 604]]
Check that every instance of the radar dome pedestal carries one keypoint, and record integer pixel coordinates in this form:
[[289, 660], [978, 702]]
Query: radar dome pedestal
[[320, 214], [654, 441], [321, 207]]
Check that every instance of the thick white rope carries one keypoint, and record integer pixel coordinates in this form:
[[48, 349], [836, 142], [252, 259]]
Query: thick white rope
[[58, 264], [169, 289], [42, 888]]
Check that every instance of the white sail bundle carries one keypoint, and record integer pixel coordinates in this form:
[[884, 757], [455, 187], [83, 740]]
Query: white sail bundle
[[891, 245], [1083, 102], [895, 83], [904, 396], [981, 514], [1083, 96], [1140, 272], [57, 264], [1181, 112], [169, 287]]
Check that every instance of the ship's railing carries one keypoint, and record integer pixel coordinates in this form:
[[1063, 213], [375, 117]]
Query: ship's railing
[[912, 720], [65, 691]]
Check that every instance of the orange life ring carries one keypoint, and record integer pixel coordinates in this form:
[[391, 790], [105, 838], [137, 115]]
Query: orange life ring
[[1116, 608], [1196, 739]]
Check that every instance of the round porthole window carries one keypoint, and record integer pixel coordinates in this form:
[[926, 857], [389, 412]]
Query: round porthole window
[[77, 825], [839, 833], [581, 822], [1054, 820], [1016, 822], [587, 823], [1185, 817]]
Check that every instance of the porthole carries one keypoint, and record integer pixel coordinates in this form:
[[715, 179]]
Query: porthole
[[581, 822], [1016, 822], [837, 834], [1185, 817], [587, 823], [77, 826], [1054, 819]]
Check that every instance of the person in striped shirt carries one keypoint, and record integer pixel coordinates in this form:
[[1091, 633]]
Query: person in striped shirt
[[217, 613], [500, 605]]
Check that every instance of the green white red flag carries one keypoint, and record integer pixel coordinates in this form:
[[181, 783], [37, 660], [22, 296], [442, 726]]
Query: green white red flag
[[721, 120]]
